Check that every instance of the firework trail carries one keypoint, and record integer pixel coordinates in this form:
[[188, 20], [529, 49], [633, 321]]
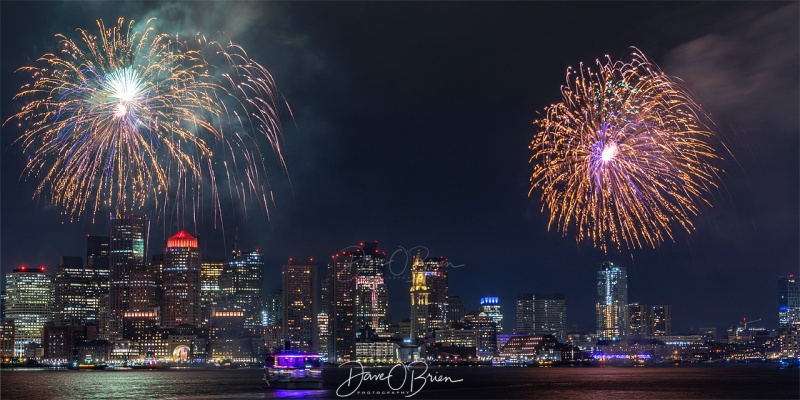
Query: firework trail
[[625, 157], [127, 118]]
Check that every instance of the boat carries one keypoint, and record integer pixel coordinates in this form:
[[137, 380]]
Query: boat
[[293, 370]]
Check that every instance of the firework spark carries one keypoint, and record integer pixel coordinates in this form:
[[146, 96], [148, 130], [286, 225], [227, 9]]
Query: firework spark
[[625, 157], [126, 118]]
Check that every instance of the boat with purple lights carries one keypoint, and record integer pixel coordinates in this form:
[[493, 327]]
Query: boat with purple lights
[[293, 370]]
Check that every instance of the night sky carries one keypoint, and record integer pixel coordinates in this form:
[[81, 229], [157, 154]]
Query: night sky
[[411, 127]]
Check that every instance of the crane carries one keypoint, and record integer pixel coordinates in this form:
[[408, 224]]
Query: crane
[[745, 322]]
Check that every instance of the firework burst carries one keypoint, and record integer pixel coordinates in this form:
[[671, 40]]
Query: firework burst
[[625, 157], [127, 119]]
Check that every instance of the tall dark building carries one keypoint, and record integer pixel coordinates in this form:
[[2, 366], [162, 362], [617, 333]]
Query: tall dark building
[[130, 287], [210, 293], [181, 275], [341, 307], [639, 319], [661, 320], [273, 308], [486, 330], [491, 306], [428, 295], [455, 310], [97, 259], [612, 301], [78, 290], [372, 298], [789, 316], [300, 304], [97, 252], [788, 302], [240, 284], [542, 314]]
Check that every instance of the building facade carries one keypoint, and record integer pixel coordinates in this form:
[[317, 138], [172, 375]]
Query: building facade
[[77, 290], [340, 307], [492, 307], [240, 283], [455, 310], [661, 317], [542, 314], [372, 297], [789, 316], [429, 287], [130, 287], [29, 303], [210, 293], [181, 277], [300, 309], [612, 301], [639, 319]]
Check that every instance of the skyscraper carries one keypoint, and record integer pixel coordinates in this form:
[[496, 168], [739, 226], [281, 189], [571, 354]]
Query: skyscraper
[[97, 259], [486, 330], [300, 304], [429, 288], [340, 307], [129, 288], [789, 316], [639, 319], [29, 303], [97, 251], [661, 317], [210, 294], [491, 306], [240, 284], [273, 308], [788, 302], [542, 314], [612, 301], [78, 290], [372, 298], [455, 310], [181, 275]]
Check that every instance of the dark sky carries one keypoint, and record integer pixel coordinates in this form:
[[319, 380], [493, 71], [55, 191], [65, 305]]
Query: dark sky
[[411, 127]]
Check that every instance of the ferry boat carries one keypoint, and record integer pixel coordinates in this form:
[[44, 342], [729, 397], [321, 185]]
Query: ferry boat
[[293, 370]]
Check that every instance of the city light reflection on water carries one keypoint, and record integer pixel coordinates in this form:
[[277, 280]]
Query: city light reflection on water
[[725, 381]]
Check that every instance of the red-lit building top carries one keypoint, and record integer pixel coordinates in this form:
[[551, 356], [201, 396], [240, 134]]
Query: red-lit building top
[[182, 239]]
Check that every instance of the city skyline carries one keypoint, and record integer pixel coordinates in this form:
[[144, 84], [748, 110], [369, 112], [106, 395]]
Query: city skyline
[[418, 137], [239, 287]]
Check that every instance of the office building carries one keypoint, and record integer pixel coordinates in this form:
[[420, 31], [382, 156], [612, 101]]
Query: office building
[[789, 316], [78, 290], [639, 319], [612, 301], [210, 293], [372, 298], [181, 276], [486, 330], [788, 302], [61, 343], [240, 284], [491, 306], [300, 307], [429, 288], [130, 287], [273, 308], [29, 303], [6, 339], [661, 317], [340, 293], [455, 310], [542, 314]]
